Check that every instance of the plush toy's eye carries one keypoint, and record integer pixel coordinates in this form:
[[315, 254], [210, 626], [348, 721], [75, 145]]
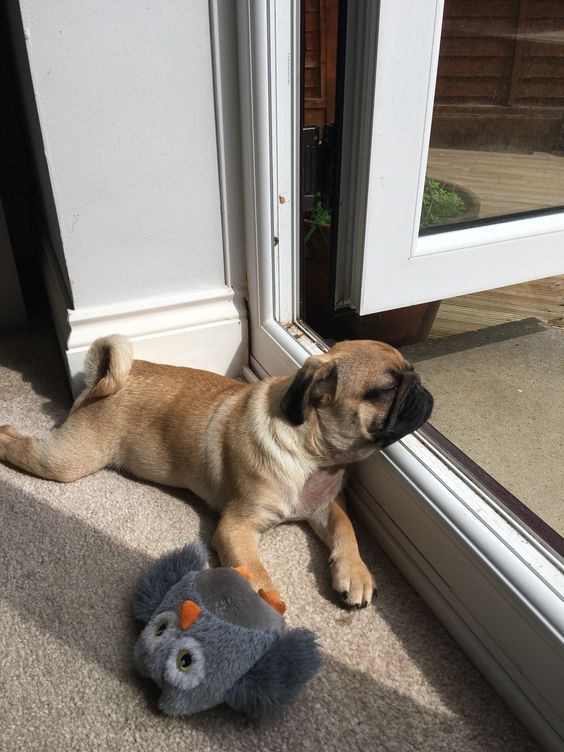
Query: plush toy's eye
[[183, 660], [159, 632], [185, 666]]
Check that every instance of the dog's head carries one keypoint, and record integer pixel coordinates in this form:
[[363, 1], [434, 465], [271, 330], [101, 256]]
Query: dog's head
[[358, 396]]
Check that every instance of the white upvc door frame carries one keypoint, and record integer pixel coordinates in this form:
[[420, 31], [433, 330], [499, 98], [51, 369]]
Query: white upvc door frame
[[392, 264], [495, 587], [268, 37]]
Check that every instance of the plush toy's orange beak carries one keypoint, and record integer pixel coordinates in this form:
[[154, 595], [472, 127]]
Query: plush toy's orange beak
[[244, 572], [188, 613]]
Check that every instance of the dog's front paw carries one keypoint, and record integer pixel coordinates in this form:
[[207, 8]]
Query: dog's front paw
[[352, 580]]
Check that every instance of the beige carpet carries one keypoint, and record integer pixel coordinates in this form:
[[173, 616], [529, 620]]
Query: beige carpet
[[391, 679]]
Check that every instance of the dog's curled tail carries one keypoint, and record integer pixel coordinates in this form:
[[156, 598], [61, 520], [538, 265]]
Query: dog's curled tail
[[107, 365]]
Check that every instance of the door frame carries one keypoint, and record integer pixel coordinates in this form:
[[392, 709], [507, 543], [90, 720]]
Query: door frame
[[387, 264], [268, 39], [494, 586]]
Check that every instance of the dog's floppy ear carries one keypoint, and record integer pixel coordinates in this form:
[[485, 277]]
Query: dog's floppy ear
[[277, 677], [157, 579], [314, 384]]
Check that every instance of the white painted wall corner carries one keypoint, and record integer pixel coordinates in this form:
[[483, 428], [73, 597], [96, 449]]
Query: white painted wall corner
[[205, 329]]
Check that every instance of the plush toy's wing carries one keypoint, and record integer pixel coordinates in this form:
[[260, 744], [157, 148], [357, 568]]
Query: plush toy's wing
[[169, 569], [278, 677]]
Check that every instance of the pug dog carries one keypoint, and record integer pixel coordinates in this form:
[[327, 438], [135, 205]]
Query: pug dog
[[259, 454]]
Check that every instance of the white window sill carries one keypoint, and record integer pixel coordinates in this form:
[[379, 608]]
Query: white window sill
[[493, 586]]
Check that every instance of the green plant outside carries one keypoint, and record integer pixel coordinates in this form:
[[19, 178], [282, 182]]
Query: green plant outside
[[440, 203], [321, 215]]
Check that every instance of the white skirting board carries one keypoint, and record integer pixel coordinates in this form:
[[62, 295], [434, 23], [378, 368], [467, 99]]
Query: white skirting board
[[207, 329]]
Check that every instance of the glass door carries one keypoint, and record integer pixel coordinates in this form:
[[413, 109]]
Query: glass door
[[494, 168], [334, 206], [485, 91]]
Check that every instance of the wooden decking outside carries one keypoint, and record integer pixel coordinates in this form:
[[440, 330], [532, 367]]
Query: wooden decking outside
[[542, 298], [485, 423], [503, 183]]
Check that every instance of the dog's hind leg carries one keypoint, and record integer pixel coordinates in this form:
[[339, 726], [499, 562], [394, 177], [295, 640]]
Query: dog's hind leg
[[84, 443], [68, 453]]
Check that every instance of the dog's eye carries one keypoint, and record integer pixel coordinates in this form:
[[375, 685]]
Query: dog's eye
[[379, 391]]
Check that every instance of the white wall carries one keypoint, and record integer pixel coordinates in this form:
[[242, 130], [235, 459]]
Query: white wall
[[149, 231], [124, 94]]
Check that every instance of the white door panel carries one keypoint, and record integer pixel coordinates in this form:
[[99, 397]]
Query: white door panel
[[461, 262], [399, 268]]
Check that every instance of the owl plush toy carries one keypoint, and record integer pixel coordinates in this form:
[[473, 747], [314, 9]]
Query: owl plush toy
[[210, 639]]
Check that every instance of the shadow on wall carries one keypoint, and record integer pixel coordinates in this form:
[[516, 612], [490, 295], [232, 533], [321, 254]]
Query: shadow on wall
[[35, 355]]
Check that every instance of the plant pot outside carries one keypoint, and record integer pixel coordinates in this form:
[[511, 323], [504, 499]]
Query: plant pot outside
[[316, 281], [318, 243], [471, 201], [400, 327]]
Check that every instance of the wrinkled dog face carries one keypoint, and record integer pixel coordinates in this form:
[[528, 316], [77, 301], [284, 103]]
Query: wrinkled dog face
[[359, 396]]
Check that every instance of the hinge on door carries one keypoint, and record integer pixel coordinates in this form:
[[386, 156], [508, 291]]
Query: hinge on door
[[318, 158]]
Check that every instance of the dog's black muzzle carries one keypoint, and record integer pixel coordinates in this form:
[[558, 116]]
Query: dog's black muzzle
[[412, 406]]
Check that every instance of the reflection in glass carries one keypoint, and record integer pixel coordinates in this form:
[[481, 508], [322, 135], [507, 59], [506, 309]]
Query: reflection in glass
[[494, 362], [497, 138], [494, 359], [319, 140]]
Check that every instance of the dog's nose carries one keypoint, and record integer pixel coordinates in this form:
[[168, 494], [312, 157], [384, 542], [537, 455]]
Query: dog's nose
[[428, 403]]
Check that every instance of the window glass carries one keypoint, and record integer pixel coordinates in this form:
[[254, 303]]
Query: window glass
[[497, 138], [494, 360]]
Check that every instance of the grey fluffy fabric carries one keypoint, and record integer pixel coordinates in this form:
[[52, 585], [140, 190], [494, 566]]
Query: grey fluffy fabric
[[277, 677], [155, 581], [237, 649]]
